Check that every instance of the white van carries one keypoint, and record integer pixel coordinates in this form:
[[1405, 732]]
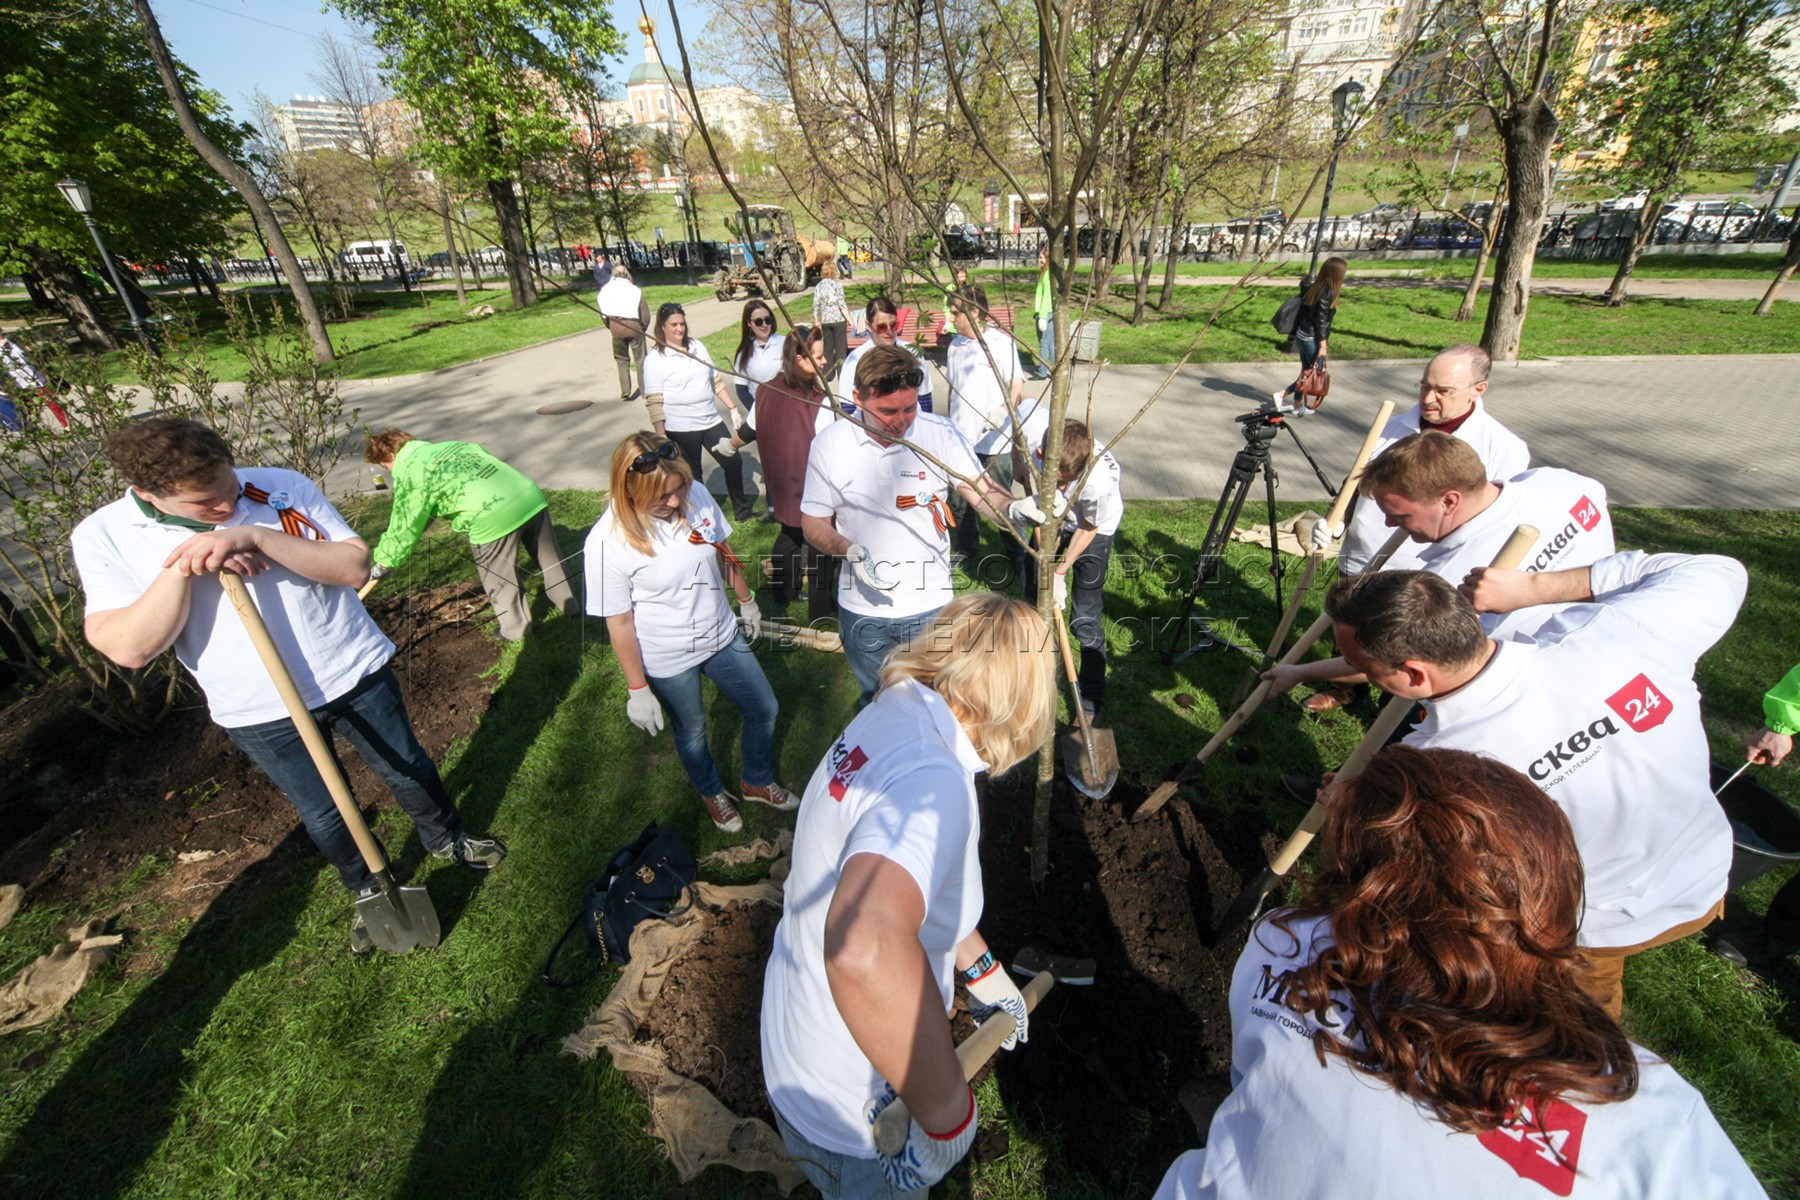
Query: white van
[[373, 256]]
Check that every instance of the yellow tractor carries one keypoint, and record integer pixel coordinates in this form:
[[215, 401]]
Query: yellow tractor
[[792, 262]]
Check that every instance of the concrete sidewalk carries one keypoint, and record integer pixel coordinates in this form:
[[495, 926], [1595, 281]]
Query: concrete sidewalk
[[1679, 431]]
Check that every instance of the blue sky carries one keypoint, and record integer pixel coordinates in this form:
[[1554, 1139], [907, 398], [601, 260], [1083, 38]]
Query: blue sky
[[238, 45]]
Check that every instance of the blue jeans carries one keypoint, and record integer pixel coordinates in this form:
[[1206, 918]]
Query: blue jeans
[[867, 641], [372, 717], [734, 671], [1308, 345], [838, 1176], [1047, 344]]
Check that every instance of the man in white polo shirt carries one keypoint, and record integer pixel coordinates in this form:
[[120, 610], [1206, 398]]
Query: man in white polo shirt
[[878, 497], [987, 391], [1450, 401], [1436, 488], [1599, 708], [149, 566]]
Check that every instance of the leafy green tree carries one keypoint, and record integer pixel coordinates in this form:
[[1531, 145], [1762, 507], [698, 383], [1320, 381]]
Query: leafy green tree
[[487, 78], [1700, 75], [79, 96]]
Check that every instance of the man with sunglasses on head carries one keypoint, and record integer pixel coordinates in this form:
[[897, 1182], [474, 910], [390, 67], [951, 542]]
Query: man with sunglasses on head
[[877, 495], [884, 330], [1450, 401]]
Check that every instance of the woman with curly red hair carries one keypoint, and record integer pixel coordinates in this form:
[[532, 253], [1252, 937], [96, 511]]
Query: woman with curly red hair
[[1416, 1026]]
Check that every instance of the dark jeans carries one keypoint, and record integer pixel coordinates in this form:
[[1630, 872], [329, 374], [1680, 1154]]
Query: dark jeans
[[372, 717], [1308, 346], [1087, 594], [735, 672], [795, 561], [837, 343], [692, 442], [867, 641]]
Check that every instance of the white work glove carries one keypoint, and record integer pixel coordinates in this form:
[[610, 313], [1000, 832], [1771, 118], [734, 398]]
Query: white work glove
[[723, 448], [924, 1159], [1322, 537], [642, 710], [377, 571], [996, 991], [1059, 589], [736, 417], [1043, 324], [749, 616], [863, 563], [1026, 513]]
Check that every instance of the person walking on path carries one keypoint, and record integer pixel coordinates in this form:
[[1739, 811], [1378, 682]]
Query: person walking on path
[[1312, 332], [758, 357], [627, 316], [149, 565], [884, 900], [681, 388], [498, 509], [658, 565], [1417, 1021], [1043, 309], [831, 313]]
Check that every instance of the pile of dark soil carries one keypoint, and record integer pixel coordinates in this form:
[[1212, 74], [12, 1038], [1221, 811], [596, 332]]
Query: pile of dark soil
[[82, 806]]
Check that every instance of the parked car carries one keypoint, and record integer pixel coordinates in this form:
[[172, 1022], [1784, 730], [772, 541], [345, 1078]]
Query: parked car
[[962, 242], [1439, 233], [1385, 214], [1632, 201], [441, 260]]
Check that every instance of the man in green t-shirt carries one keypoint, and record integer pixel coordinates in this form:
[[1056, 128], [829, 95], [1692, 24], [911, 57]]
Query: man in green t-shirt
[[495, 506]]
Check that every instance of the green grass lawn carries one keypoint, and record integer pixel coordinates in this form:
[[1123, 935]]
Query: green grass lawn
[[262, 1059]]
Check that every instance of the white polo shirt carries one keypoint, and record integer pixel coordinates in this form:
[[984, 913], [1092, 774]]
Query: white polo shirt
[[847, 373], [1296, 1129], [1602, 712], [979, 389], [1574, 530], [1101, 503], [762, 364], [1502, 452], [686, 384], [890, 500], [675, 595], [327, 639], [899, 783]]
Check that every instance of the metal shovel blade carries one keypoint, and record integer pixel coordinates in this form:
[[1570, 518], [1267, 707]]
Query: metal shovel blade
[[1092, 761], [399, 918]]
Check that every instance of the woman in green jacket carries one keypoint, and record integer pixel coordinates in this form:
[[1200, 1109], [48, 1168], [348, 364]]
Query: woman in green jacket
[[497, 508]]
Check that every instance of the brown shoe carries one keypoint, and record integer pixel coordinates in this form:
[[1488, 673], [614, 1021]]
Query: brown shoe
[[775, 796], [723, 812], [1333, 696]]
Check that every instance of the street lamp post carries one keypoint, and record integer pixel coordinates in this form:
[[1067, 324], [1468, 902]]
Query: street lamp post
[[1462, 131], [77, 194], [1341, 98]]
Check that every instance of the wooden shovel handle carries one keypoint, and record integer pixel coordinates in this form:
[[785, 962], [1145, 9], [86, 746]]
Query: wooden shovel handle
[[894, 1123], [310, 733], [1348, 491]]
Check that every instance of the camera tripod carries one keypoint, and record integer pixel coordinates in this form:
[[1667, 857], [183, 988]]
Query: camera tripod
[[1260, 429]]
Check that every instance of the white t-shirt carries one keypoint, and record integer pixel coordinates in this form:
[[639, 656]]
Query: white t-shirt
[[1574, 530], [327, 639], [621, 299], [892, 501], [676, 596], [686, 384], [979, 389], [900, 783], [1293, 1129], [1502, 452], [762, 364], [847, 373], [1101, 503], [1601, 711]]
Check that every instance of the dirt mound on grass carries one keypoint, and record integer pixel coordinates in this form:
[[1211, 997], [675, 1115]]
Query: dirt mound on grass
[[82, 807]]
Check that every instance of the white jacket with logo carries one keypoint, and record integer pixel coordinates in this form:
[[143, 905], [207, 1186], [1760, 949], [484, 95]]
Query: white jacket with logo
[[1602, 712]]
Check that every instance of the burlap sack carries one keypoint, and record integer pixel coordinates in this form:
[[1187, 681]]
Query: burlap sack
[[1295, 535], [45, 987]]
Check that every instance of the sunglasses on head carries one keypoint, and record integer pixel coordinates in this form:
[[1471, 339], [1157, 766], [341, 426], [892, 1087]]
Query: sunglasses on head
[[671, 310], [649, 460], [912, 377]]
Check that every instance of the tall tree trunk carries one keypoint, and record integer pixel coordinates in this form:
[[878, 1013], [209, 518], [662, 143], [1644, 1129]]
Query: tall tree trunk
[[1529, 129], [1141, 300], [1177, 238], [140, 299], [238, 178], [1488, 229], [64, 287], [1642, 231], [1789, 261], [34, 287], [512, 240], [462, 298]]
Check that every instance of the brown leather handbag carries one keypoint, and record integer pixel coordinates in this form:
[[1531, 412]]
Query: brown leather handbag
[[1314, 384]]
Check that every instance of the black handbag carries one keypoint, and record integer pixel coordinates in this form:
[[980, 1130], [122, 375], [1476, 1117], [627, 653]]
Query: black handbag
[[642, 881]]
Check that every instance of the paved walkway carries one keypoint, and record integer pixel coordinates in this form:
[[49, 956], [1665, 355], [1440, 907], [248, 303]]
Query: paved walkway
[[1681, 431]]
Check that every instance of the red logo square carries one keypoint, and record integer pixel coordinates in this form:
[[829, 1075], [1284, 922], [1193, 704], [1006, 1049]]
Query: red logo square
[[845, 771], [1586, 513], [1639, 704], [1542, 1144]]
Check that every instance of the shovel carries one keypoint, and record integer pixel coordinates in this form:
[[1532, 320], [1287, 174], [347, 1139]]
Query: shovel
[[1089, 755], [1386, 722], [398, 918]]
